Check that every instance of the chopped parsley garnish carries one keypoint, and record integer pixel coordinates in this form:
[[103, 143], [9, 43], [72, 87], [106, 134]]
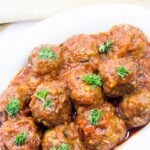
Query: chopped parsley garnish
[[47, 103], [20, 138], [104, 48], [94, 116], [12, 107], [47, 53], [41, 94], [122, 71], [92, 79], [63, 146]]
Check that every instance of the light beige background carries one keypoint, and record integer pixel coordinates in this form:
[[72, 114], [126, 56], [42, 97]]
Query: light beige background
[[21, 10]]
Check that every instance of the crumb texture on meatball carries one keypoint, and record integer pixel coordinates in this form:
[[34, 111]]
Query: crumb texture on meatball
[[119, 76], [46, 59], [127, 41], [135, 108], [83, 92], [86, 93], [103, 132], [50, 104], [10, 135], [62, 136]]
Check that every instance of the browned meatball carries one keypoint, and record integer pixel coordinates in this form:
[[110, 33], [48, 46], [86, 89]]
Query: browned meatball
[[119, 76], [19, 135], [50, 104], [12, 104], [46, 59], [62, 137], [135, 108], [15, 99], [127, 41], [100, 128], [81, 48], [83, 93], [144, 73]]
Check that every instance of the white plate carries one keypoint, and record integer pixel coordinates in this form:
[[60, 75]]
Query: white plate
[[91, 19]]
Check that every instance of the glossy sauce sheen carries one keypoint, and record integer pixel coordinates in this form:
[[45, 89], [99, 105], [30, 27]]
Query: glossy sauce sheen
[[115, 102], [79, 115], [133, 131]]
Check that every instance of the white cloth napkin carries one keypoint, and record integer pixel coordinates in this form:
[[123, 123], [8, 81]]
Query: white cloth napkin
[[22, 10]]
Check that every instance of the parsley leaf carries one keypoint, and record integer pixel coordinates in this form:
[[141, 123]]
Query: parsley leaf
[[92, 79], [41, 94], [122, 71], [105, 47], [20, 138], [63, 146], [47, 104], [12, 107], [47, 53], [94, 116]]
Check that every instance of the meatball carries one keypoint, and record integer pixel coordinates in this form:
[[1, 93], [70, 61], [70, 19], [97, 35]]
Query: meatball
[[127, 41], [15, 99], [135, 108], [83, 93], [100, 128], [119, 76], [46, 59], [19, 135], [81, 48], [50, 104], [144, 73], [12, 104], [63, 136]]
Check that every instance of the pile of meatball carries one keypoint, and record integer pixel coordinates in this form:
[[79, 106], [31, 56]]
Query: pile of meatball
[[63, 98]]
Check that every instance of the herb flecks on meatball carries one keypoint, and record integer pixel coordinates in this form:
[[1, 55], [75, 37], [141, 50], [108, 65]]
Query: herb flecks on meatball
[[81, 49], [119, 76], [62, 137], [127, 41], [21, 134], [46, 59], [85, 87], [100, 128], [50, 104], [67, 90], [15, 98]]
